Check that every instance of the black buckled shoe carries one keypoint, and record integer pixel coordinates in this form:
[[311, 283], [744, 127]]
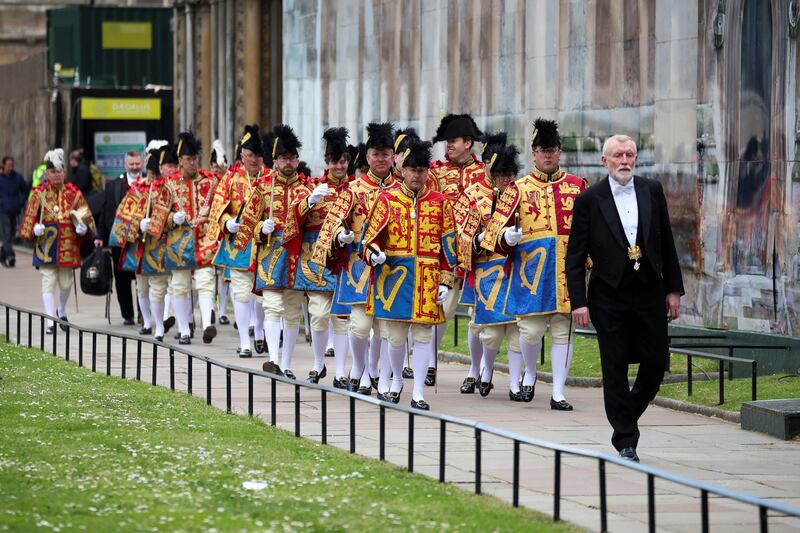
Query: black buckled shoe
[[245, 354], [485, 387], [63, 326], [365, 391], [330, 353], [340, 383], [208, 334], [527, 393], [185, 339], [50, 330], [562, 405], [408, 373], [629, 453], [289, 374], [223, 320], [272, 368], [159, 338], [468, 387], [260, 345], [352, 385], [145, 331], [177, 336], [430, 377], [422, 405], [516, 396], [393, 397], [381, 396], [314, 376], [168, 323]]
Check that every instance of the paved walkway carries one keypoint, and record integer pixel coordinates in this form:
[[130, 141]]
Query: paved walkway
[[704, 449]]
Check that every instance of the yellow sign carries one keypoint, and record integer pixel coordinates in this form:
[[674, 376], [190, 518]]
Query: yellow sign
[[121, 108], [127, 35]]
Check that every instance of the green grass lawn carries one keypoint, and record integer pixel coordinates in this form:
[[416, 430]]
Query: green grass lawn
[[736, 391], [82, 451]]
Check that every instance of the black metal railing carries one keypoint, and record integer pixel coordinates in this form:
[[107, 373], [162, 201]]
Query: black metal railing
[[480, 430]]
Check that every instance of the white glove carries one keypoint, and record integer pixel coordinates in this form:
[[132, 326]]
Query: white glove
[[144, 224], [377, 259], [442, 296], [512, 236], [268, 227], [319, 192], [38, 229], [481, 235], [81, 229], [179, 218], [231, 225], [346, 237]]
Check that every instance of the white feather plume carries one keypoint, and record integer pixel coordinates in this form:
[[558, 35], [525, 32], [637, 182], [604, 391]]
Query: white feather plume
[[155, 144], [219, 151], [55, 158]]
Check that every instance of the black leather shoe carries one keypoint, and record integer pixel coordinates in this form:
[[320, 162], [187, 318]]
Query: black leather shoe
[[11, 262], [252, 331], [468, 387], [159, 338], [63, 326], [485, 387], [213, 317], [145, 331], [527, 392], [381, 396], [246, 353], [352, 385], [209, 333], [340, 383], [422, 405], [430, 377], [223, 320], [185, 339], [330, 353], [177, 336], [128, 322], [516, 396], [393, 397], [168, 323], [314, 376], [562, 405], [50, 330], [629, 453], [272, 368], [261, 345], [408, 373], [366, 391], [289, 374]]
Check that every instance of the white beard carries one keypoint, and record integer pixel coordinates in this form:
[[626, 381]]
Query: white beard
[[621, 178]]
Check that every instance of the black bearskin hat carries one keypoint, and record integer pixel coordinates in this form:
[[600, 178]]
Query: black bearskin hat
[[167, 155], [453, 126], [351, 165], [417, 154], [504, 160], [188, 144], [545, 134], [402, 138], [251, 139], [492, 141], [336, 143], [284, 141], [380, 135]]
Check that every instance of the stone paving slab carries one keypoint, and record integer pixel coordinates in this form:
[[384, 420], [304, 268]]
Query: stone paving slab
[[701, 448]]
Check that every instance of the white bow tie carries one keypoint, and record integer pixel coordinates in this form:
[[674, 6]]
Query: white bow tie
[[622, 190]]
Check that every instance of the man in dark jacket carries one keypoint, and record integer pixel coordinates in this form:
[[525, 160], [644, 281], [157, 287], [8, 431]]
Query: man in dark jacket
[[114, 192], [13, 191]]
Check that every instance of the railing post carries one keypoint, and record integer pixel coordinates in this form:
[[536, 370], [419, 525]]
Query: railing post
[[754, 381], [477, 461], [55, 337], [442, 436], [124, 357], [108, 355], [41, 332], [324, 407], [19, 330], [94, 351], [762, 519], [66, 340], [171, 369], [410, 442], [515, 497], [189, 367], [249, 394], [541, 352], [651, 502], [382, 434], [8, 325], [80, 348], [455, 330], [30, 330], [704, 510], [155, 364], [228, 390], [273, 404], [721, 382], [138, 359], [557, 488], [602, 475], [352, 424], [689, 374], [297, 410], [208, 382]]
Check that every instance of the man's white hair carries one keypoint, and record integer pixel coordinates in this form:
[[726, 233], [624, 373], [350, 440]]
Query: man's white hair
[[617, 138]]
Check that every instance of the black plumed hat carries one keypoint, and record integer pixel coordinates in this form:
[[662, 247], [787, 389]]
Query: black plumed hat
[[351, 165], [304, 169], [336, 143], [453, 126], [545, 134], [268, 141], [417, 154], [380, 135], [402, 137], [251, 139], [188, 144], [491, 141], [504, 160], [285, 141], [167, 154]]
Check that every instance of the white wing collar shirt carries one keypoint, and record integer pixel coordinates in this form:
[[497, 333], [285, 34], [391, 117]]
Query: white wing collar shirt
[[627, 208]]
